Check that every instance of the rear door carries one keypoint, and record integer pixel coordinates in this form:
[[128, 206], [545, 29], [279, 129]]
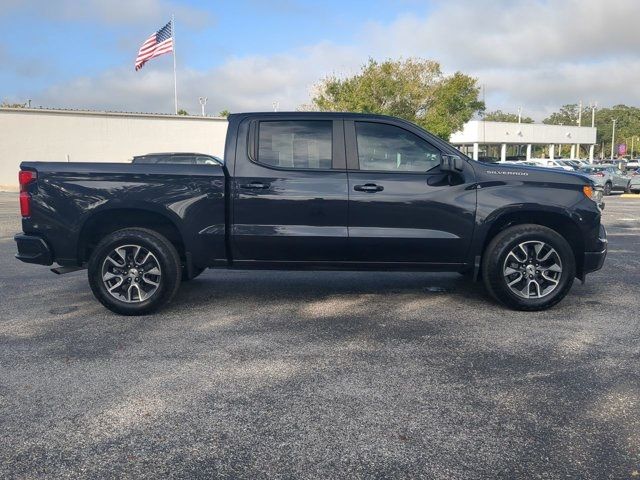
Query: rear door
[[290, 191], [621, 180], [402, 207]]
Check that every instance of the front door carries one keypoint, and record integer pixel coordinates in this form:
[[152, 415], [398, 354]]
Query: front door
[[402, 208], [290, 200]]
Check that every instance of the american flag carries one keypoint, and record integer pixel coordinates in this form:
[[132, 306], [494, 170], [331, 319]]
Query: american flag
[[157, 44]]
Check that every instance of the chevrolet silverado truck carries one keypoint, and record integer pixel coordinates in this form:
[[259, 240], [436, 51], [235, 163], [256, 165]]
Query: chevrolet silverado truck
[[336, 191]]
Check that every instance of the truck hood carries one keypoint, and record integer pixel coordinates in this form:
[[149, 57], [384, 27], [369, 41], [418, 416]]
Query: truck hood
[[507, 173]]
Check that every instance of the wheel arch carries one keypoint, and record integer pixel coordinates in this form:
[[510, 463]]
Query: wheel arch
[[106, 221], [560, 222]]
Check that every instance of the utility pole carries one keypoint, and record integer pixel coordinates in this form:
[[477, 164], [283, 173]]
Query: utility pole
[[593, 114], [203, 102], [613, 137], [632, 140], [577, 148], [580, 113], [519, 114]]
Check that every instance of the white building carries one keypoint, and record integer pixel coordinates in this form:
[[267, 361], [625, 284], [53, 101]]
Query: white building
[[478, 136], [81, 136]]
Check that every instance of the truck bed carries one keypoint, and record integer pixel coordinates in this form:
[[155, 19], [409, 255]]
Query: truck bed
[[77, 197]]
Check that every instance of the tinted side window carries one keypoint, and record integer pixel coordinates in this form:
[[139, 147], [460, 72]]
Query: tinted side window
[[390, 148], [295, 144]]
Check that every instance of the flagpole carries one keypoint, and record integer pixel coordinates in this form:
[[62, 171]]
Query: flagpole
[[175, 78]]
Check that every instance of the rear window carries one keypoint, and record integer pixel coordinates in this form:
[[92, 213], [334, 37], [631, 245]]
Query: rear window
[[296, 144]]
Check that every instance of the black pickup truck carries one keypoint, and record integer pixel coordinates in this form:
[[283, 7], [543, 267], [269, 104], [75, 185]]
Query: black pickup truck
[[313, 191]]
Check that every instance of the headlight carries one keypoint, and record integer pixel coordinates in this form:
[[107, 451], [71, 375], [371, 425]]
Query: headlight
[[593, 193]]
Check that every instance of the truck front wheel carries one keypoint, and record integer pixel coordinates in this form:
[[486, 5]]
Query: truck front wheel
[[528, 267], [134, 271]]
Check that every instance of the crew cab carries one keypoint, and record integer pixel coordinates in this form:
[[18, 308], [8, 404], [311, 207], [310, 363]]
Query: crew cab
[[313, 190]]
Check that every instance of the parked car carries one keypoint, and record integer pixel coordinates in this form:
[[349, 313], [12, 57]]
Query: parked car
[[633, 165], [312, 190], [568, 163], [634, 183], [178, 158], [551, 163], [608, 177]]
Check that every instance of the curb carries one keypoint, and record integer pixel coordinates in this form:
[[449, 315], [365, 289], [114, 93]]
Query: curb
[[630, 195]]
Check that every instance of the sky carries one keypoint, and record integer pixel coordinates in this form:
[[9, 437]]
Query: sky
[[244, 55]]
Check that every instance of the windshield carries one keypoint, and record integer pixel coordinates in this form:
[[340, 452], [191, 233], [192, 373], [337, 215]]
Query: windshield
[[592, 169]]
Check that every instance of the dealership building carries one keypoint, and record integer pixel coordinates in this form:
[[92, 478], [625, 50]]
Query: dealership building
[[80, 136], [479, 138]]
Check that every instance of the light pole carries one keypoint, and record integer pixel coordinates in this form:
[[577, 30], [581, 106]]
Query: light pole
[[519, 114], [594, 105], [203, 102], [577, 147], [580, 114], [613, 136]]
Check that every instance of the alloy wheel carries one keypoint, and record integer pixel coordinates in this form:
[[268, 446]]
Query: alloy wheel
[[131, 273], [532, 269]]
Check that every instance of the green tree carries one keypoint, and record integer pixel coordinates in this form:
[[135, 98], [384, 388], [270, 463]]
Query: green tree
[[224, 113], [414, 89], [182, 112], [567, 115], [5, 104], [627, 125], [500, 116]]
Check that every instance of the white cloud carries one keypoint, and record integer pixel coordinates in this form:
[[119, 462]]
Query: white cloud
[[240, 84], [115, 12], [534, 54]]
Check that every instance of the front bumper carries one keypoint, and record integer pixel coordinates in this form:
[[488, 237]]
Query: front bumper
[[594, 260], [32, 249]]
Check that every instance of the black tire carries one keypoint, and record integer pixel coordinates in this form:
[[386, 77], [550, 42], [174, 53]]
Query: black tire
[[163, 252], [607, 188], [196, 271], [494, 263]]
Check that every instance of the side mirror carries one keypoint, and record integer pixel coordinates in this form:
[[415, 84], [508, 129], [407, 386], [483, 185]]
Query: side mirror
[[450, 163]]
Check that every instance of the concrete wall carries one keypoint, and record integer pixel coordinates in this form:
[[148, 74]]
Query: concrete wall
[[60, 136]]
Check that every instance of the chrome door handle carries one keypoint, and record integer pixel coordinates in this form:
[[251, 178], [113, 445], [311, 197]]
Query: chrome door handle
[[368, 187], [255, 186]]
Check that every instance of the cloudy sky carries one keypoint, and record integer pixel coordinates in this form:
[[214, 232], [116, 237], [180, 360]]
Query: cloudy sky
[[246, 54]]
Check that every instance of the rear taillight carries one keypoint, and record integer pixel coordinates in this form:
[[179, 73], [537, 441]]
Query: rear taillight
[[598, 174], [25, 177]]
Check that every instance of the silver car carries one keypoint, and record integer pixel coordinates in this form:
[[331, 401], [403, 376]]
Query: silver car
[[608, 177], [634, 184]]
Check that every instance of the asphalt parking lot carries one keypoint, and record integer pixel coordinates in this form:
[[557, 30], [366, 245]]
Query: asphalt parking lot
[[321, 375]]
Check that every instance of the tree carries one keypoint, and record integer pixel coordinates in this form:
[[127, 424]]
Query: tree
[[5, 104], [500, 116], [224, 113], [414, 89], [567, 115], [182, 112], [627, 124]]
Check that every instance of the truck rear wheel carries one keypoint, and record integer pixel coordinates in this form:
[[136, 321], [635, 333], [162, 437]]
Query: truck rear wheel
[[528, 267], [134, 271]]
